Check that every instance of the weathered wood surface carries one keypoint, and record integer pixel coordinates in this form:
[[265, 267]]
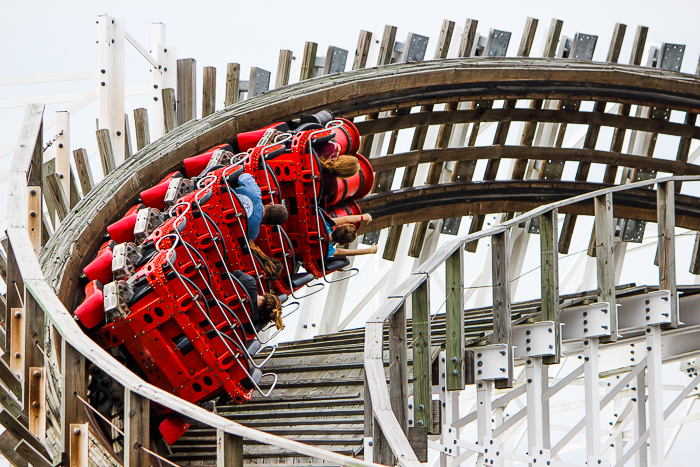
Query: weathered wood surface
[[104, 145], [549, 273], [284, 66], [502, 326], [233, 81], [209, 91], [308, 61], [186, 90], [82, 164]]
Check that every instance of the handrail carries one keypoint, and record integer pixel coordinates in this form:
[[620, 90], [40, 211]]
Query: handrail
[[66, 326], [373, 354]]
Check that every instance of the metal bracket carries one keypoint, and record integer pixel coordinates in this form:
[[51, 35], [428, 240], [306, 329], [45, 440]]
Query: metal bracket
[[415, 47], [583, 46], [586, 321], [492, 453], [497, 44], [492, 362], [451, 226], [450, 436], [645, 310], [335, 61], [542, 457], [534, 340], [261, 84], [671, 56]]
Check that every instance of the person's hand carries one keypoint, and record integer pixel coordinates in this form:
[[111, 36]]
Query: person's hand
[[373, 249], [367, 218]]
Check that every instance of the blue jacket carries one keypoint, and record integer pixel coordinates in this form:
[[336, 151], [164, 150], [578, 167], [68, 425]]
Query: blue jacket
[[251, 198]]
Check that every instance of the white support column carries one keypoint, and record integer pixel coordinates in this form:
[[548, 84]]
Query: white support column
[[158, 80], [656, 399], [535, 426], [640, 419], [110, 87], [484, 420], [449, 406], [62, 145], [592, 404]]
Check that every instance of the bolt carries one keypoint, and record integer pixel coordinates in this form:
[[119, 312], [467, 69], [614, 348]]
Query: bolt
[[527, 341], [60, 145], [477, 372], [503, 370], [646, 302], [103, 71], [479, 355], [421, 407], [585, 329], [410, 406], [527, 333], [119, 133], [529, 361], [35, 404], [410, 421], [305, 326], [32, 192], [503, 352], [551, 346], [648, 318], [454, 360], [585, 313], [549, 329], [18, 315], [313, 325], [103, 83], [112, 41], [527, 348], [647, 310], [585, 321], [17, 355], [479, 363], [37, 374], [32, 213], [165, 69], [443, 359], [420, 423], [455, 372], [648, 348], [76, 432]]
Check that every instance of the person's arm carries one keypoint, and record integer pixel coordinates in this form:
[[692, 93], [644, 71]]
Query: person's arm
[[342, 220], [357, 251]]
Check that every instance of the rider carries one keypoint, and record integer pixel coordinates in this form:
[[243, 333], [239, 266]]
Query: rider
[[341, 230], [250, 196], [264, 308]]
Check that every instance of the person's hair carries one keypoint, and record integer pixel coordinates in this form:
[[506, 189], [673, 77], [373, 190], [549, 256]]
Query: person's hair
[[342, 166], [344, 234], [271, 308], [272, 266], [275, 214]]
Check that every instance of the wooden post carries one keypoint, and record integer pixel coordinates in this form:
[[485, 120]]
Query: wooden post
[[30, 454], [74, 195], [502, 333], [169, 109], [74, 379], [381, 451], [136, 429], [549, 273], [34, 216], [454, 317], [84, 172], [37, 402], [528, 37], [444, 39], [56, 187], [33, 355], [186, 90], [422, 380], [604, 230], [284, 66], [308, 62], [362, 50], [79, 452], [386, 49], [398, 366], [616, 42], [209, 91], [14, 300], [127, 138], [550, 47], [229, 450], [233, 81], [143, 134], [666, 218], [104, 144]]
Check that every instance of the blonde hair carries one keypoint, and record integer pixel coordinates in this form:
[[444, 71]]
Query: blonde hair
[[342, 166]]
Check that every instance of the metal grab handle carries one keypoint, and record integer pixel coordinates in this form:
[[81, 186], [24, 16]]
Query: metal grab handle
[[272, 388]]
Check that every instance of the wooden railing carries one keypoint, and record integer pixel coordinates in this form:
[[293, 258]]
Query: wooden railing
[[388, 406]]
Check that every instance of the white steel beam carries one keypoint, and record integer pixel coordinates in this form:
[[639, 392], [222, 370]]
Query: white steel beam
[[62, 145], [111, 90], [655, 386], [535, 418], [592, 387]]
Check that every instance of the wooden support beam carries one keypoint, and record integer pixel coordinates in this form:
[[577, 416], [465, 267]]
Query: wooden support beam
[[284, 67], [37, 401], [104, 145], [79, 446], [550, 46], [604, 248], [666, 215], [363, 44], [549, 274], [444, 39], [502, 327], [381, 451], [128, 152], [454, 321], [186, 90], [528, 37], [208, 91], [422, 367], [233, 81], [20, 432], [169, 109], [308, 62], [10, 380], [8, 444], [468, 36], [386, 47], [136, 429], [34, 216], [229, 450], [398, 366], [74, 383], [143, 133], [616, 42], [15, 299], [82, 164], [48, 168], [33, 354], [30, 454], [74, 196], [56, 187]]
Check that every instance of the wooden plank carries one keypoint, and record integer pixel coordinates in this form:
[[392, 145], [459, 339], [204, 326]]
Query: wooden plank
[[381, 450], [30, 454], [454, 317], [208, 91], [229, 450], [528, 37], [48, 168], [34, 217], [616, 42], [186, 90], [502, 328], [362, 50], [74, 383], [308, 62], [550, 46], [128, 152], [56, 187], [10, 380], [82, 164], [549, 274], [37, 401], [33, 354], [418, 437], [104, 145], [468, 36], [398, 366], [422, 368], [143, 133], [169, 109], [666, 215], [136, 429], [233, 81], [74, 196], [284, 66], [605, 261], [27, 156], [386, 47], [14, 299], [20, 432], [79, 446], [444, 39], [8, 443]]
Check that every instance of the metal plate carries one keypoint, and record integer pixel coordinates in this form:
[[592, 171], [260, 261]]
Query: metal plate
[[583, 46], [339, 58], [671, 56], [642, 310], [371, 238], [491, 361], [451, 226], [533, 227], [633, 231], [586, 321], [416, 47], [497, 45], [534, 340], [262, 82]]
